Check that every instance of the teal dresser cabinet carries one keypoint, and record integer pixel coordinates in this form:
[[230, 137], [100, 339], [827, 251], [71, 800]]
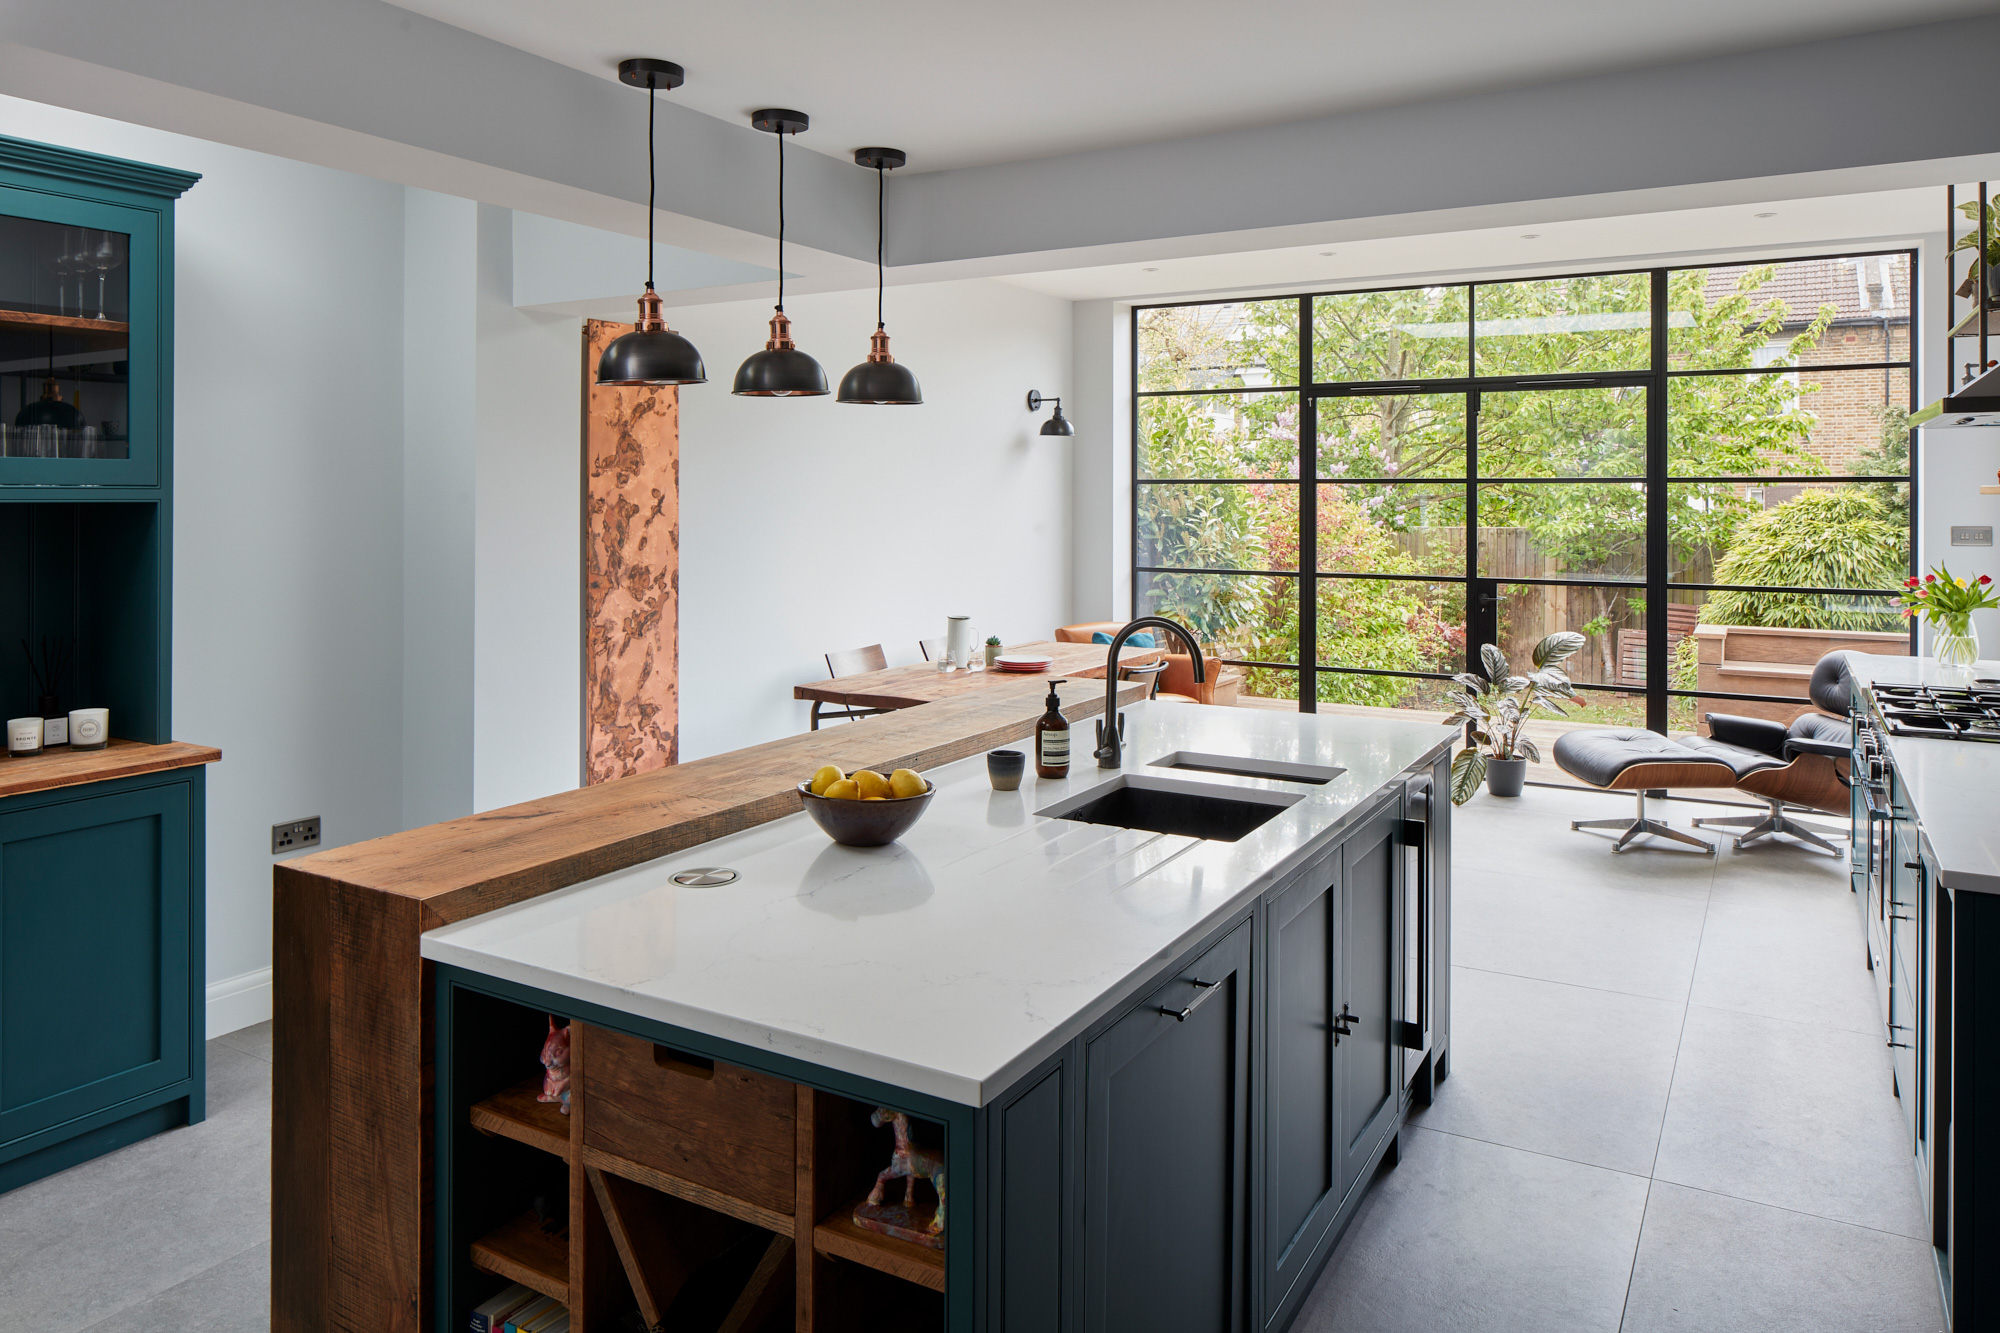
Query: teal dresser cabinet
[[101, 852]]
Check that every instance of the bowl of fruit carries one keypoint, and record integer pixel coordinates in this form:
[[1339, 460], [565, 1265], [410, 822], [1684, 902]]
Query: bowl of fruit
[[865, 809]]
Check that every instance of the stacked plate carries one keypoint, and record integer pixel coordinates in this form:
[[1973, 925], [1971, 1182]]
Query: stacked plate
[[1022, 662]]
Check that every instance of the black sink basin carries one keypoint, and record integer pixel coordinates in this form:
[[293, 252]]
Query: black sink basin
[[1168, 805]]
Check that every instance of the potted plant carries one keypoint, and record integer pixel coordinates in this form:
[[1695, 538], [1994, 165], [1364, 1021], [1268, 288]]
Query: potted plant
[[1948, 602], [1495, 710], [1988, 262]]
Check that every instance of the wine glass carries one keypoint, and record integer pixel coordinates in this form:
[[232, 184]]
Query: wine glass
[[60, 266], [81, 264], [106, 256]]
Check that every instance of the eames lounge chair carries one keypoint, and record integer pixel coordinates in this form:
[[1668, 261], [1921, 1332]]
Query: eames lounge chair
[[1812, 757]]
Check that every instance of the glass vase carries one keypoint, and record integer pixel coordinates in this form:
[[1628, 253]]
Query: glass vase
[[1955, 643]]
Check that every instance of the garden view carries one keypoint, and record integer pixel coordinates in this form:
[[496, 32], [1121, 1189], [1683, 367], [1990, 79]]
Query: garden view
[[1556, 471]]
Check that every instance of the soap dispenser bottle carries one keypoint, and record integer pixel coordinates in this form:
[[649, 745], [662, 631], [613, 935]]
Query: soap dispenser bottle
[[1052, 738]]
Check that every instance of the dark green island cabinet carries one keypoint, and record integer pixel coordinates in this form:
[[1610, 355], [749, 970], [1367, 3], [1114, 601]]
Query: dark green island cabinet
[[1185, 1164], [101, 852]]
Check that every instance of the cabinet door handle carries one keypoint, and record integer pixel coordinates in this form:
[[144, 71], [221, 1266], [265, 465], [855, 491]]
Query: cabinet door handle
[[1207, 988], [1341, 1021], [1913, 865]]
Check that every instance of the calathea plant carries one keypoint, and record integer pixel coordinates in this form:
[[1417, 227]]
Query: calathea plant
[[1496, 708]]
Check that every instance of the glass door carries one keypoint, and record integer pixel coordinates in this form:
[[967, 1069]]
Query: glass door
[[79, 374]]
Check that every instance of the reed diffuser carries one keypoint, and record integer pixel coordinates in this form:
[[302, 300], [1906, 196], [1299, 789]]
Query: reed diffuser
[[47, 672]]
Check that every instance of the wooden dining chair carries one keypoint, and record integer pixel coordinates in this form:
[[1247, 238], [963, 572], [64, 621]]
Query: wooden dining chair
[[852, 662], [930, 648]]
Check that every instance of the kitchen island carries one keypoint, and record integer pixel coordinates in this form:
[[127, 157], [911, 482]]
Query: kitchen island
[[1926, 866], [1158, 1070]]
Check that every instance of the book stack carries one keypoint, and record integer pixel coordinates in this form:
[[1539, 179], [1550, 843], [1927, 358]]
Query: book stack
[[519, 1310]]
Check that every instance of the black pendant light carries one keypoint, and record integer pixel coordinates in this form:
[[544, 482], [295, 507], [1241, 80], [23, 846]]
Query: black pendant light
[[781, 370], [1057, 424], [51, 409], [651, 353], [879, 379]]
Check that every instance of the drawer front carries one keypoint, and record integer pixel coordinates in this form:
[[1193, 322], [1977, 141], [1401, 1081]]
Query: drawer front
[[724, 1128]]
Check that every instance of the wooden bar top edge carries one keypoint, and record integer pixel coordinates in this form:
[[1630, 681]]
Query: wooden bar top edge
[[64, 767], [464, 867]]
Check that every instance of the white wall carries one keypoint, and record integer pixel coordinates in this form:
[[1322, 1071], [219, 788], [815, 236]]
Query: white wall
[[527, 636], [1100, 407], [809, 525], [440, 453], [288, 526], [1953, 464]]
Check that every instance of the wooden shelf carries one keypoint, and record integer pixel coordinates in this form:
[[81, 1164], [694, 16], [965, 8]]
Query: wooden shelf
[[60, 766], [31, 319], [1969, 326], [841, 1237], [522, 1252], [517, 1114], [1989, 490]]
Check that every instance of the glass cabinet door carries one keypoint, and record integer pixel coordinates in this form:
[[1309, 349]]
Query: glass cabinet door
[[80, 379]]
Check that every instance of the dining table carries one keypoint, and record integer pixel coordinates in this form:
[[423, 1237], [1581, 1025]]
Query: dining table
[[923, 683]]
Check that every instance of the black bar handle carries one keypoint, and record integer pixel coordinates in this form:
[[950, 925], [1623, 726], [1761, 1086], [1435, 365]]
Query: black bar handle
[[1207, 988]]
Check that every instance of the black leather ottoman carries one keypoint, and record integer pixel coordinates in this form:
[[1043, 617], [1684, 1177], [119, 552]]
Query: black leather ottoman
[[1622, 759]]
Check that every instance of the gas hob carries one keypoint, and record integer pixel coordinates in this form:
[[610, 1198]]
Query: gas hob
[[1950, 712]]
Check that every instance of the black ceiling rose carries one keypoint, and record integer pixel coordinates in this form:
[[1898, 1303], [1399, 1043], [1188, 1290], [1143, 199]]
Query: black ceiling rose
[[646, 72], [652, 354], [781, 370], [880, 381]]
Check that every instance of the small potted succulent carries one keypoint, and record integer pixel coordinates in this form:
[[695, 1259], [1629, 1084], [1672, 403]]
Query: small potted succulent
[[1495, 710], [1948, 601]]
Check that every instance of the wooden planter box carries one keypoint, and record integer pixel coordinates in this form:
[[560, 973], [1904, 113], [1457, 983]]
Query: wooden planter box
[[1752, 659]]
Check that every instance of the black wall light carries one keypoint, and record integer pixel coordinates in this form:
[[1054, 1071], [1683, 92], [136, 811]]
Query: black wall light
[[781, 370], [1057, 424], [880, 379], [652, 353]]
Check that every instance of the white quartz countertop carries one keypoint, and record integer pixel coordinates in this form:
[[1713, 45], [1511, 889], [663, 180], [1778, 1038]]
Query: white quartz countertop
[[957, 959], [1954, 785]]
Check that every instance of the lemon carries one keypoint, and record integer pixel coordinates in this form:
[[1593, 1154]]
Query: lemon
[[843, 790], [905, 782], [874, 798], [823, 777], [871, 783]]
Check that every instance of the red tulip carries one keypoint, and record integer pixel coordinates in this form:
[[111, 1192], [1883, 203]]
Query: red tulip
[[1930, 578], [1985, 579], [1910, 582]]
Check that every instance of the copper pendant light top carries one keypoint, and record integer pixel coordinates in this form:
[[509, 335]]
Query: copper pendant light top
[[781, 370], [652, 354], [879, 381]]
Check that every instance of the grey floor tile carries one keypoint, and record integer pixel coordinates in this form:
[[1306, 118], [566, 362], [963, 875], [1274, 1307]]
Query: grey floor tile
[[1791, 1114], [1530, 835], [85, 1242], [1467, 1235], [1787, 942], [1571, 929], [1558, 1069], [1708, 1263], [232, 1297], [253, 1040]]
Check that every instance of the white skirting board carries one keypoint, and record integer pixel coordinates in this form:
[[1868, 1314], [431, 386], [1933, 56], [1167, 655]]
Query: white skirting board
[[235, 1003]]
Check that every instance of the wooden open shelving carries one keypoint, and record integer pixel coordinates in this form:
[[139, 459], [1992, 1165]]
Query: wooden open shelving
[[521, 1251], [519, 1114], [97, 334], [839, 1236], [697, 1191]]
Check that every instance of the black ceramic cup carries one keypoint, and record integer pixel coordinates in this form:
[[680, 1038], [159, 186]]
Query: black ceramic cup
[[1004, 768]]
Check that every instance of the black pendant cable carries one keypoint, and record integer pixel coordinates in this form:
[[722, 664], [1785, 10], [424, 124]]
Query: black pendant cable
[[781, 370], [50, 409], [880, 379], [652, 353]]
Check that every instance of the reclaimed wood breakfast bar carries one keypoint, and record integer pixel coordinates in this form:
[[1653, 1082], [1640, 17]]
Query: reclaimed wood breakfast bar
[[352, 1094]]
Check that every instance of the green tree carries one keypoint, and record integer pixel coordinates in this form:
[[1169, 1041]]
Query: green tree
[[1821, 538]]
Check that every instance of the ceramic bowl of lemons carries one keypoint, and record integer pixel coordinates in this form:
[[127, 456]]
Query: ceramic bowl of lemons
[[865, 808]]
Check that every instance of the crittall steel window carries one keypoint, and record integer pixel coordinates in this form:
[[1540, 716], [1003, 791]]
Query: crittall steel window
[[1706, 471]]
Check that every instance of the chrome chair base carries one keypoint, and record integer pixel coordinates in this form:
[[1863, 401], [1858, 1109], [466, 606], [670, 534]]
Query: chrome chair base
[[1773, 822], [1640, 826]]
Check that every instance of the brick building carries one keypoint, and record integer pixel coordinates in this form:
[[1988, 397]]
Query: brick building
[[1871, 301]]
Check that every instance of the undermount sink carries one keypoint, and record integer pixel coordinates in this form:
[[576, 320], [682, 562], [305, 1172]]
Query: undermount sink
[[1174, 805], [1243, 766]]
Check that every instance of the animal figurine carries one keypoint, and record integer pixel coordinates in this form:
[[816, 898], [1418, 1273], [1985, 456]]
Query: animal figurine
[[909, 1163], [555, 1060]]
